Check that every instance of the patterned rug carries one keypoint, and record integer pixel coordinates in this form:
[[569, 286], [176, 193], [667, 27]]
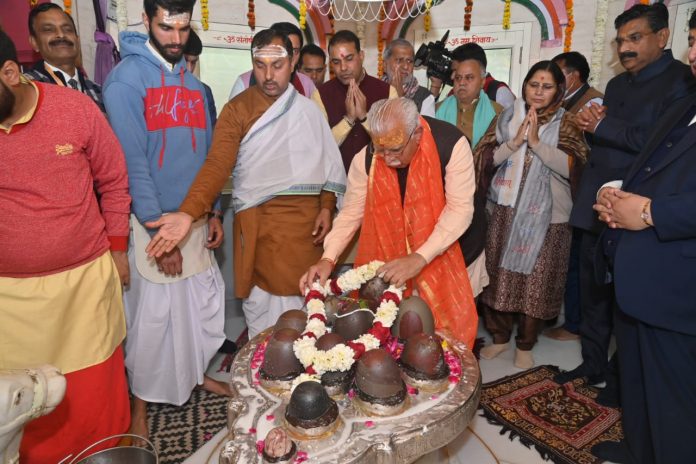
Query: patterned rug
[[178, 431], [561, 421]]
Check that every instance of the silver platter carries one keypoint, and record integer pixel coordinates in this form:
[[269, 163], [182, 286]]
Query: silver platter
[[430, 422]]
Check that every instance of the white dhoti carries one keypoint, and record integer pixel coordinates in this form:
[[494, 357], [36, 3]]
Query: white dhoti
[[262, 309], [173, 330]]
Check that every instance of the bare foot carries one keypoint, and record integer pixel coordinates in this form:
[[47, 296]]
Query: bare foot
[[139, 422], [524, 359], [213, 386], [491, 351]]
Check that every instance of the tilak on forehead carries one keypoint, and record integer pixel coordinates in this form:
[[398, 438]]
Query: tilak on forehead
[[271, 51], [392, 138], [179, 18]]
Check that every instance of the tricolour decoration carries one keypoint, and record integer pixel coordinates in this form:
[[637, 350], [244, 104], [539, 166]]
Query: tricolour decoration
[[467, 14], [204, 14], [568, 41], [506, 15], [342, 356]]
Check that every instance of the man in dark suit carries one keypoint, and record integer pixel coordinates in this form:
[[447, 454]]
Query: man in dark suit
[[650, 251], [633, 102]]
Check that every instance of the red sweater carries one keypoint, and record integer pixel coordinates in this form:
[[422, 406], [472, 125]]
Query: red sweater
[[50, 219]]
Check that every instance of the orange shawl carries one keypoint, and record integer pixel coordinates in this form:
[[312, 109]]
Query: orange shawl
[[390, 231]]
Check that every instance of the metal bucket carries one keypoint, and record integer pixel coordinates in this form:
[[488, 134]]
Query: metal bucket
[[120, 454]]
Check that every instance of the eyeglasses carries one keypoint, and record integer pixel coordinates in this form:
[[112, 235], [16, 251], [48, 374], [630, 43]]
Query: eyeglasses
[[394, 152], [633, 39], [544, 87]]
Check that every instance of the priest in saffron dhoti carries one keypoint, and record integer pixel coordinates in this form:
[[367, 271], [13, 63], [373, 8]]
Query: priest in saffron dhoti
[[286, 170], [412, 192]]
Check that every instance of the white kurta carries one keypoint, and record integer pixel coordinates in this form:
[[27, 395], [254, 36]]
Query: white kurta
[[173, 331]]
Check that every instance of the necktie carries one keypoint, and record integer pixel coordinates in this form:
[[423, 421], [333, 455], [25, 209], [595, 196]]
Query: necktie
[[73, 83]]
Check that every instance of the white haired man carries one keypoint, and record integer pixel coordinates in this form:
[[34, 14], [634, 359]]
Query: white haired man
[[416, 171]]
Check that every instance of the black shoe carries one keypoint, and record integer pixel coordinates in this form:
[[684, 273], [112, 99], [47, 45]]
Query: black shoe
[[228, 347], [609, 397], [577, 373], [614, 451]]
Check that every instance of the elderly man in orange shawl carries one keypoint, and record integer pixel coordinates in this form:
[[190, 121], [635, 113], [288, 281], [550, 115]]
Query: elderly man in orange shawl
[[412, 191]]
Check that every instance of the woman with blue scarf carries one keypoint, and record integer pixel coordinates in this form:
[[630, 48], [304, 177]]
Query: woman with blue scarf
[[525, 164]]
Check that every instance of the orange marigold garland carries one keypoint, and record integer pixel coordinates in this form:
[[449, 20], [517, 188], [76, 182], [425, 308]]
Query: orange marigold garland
[[205, 14], [380, 43], [33, 3], [568, 40], [251, 17], [67, 6], [645, 2], [467, 14], [506, 14]]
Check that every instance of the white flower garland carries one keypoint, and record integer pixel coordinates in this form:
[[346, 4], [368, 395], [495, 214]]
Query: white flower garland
[[598, 41], [121, 15], [341, 357]]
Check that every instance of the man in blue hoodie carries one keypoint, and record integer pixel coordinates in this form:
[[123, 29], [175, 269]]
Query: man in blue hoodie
[[175, 303]]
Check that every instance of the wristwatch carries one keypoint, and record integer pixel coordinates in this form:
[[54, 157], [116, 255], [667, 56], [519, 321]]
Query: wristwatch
[[645, 214]]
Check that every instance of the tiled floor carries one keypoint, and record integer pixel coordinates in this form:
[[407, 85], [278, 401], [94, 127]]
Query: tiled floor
[[481, 443]]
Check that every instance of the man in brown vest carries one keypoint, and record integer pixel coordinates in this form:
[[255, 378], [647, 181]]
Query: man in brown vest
[[347, 98], [578, 92]]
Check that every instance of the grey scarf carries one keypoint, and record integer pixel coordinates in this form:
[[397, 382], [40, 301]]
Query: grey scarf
[[533, 203]]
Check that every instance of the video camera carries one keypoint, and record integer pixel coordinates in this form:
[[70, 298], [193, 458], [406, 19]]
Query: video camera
[[437, 59]]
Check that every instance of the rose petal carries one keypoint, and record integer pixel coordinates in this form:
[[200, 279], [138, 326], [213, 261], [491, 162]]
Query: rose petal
[[434, 397], [259, 446], [351, 393], [207, 436], [369, 424], [252, 430], [270, 417], [411, 390]]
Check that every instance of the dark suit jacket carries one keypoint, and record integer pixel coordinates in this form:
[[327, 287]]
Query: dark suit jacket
[[634, 104], [89, 88], [655, 268]]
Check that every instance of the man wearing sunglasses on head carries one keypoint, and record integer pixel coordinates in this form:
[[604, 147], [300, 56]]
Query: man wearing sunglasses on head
[[411, 191]]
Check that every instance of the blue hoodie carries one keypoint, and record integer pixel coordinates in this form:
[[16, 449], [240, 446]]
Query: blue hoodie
[[160, 117]]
